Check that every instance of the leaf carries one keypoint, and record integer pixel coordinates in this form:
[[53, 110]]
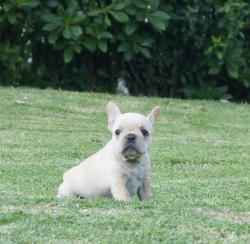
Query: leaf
[[50, 26], [12, 18], [219, 55], [76, 30], [131, 27], [157, 23], [102, 46], [107, 20], [53, 37], [128, 56], [147, 42], [233, 70], [7, 7], [79, 18], [145, 52], [131, 10], [77, 48], [90, 45], [93, 12], [67, 32], [160, 14], [51, 18], [221, 89], [68, 55], [246, 83], [136, 48], [154, 3], [120, 16], [72, 4], [61, 45], [105, 34], [41, 70], [214, 70], [139, 4], [29, 4], [52, 3], [60, 10], [119, 6], [123, 47]]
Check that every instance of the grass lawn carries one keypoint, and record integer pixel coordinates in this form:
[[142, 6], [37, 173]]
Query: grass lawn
[[200, 171]]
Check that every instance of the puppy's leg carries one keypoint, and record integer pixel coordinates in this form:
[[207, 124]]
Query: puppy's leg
[[118, 189], [144, 193], [64, 191]]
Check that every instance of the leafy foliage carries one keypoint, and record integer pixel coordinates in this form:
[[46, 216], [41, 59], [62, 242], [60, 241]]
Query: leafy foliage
[[204, 53], [75, 44], [179, 48]]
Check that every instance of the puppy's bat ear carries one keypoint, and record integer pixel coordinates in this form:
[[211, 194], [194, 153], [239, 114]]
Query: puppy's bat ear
[[154, 114], [113, 112]]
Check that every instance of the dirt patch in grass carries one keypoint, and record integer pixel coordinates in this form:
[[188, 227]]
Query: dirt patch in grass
[[232, 217], [34, 209], [89, 109]]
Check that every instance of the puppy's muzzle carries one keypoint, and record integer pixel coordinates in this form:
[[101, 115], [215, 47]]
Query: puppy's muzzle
[[130, 138], [130, 143], [130, 151]]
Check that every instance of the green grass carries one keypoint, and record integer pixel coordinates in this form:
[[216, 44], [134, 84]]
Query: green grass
[[200, 171]]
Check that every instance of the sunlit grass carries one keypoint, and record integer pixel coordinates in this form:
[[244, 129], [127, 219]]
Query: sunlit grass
[[200, 170]]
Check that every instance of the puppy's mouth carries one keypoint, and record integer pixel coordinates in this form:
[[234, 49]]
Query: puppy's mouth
[[131, 153], [130, 149]]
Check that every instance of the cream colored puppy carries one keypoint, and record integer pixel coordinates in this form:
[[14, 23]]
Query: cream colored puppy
[[121, 168]]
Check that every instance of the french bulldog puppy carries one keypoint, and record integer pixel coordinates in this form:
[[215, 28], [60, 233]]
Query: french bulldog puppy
[[121, 168]]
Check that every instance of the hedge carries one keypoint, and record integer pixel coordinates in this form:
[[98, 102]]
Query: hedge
[[186, 48]]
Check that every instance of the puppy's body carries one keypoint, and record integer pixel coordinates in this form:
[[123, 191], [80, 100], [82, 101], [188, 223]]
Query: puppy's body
[[121, 168], [94, 176]]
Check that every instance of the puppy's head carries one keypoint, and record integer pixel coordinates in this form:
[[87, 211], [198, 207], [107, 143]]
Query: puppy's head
[[131, 132]]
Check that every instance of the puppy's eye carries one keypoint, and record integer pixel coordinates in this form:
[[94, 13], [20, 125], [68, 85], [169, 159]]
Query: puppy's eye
[[144, 132], [117, 132]]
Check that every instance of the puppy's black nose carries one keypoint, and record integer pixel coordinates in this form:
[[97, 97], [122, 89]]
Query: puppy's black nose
[[130, 138]]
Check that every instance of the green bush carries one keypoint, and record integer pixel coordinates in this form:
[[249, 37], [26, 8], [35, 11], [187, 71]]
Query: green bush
[[193, 49], [83, 44], [204, 52]]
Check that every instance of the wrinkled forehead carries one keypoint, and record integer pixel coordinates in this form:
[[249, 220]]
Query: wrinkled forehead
[[132, 121]]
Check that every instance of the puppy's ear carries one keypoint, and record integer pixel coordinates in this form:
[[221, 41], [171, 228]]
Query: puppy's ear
[[154, 114], [113, 112]]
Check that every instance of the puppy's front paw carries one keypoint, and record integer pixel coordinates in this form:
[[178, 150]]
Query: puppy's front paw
[[146, 197], [121, 194], [119, 190], [64, 191], [121, 197]]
